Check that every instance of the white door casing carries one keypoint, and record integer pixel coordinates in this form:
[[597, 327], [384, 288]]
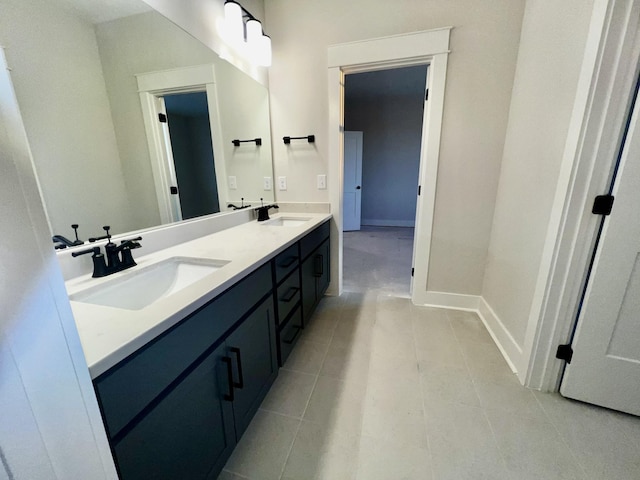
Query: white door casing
[[352, 180], [608, 74], [605, 368], [151, 87], [419, 48]]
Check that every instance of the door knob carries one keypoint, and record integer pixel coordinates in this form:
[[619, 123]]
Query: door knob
[[358, 187]]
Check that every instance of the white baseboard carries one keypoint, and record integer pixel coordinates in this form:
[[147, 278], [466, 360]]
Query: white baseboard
[[511, 351], [387, 223], [455, 301]]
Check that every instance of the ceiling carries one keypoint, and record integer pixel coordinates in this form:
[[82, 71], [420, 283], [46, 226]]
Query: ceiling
[[94, 11]]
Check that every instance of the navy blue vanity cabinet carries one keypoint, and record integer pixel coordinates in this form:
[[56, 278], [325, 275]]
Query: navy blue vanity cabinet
[[315, 253], [287, 294], [253, 352], [178, 406], [188, 434]]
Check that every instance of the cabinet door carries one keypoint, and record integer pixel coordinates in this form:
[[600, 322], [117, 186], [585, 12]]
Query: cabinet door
[[308, 286], [252, 348], [322, 263], [187, 434]]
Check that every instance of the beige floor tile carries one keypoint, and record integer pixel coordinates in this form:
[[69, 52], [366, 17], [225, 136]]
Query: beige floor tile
[[307, 357], [262, 451], [346, 364], [447, 385], [593, 435], [532, 449], [467, 325], [290, 393], [513, 399], [321, 452], [384, 460], [337, 404]]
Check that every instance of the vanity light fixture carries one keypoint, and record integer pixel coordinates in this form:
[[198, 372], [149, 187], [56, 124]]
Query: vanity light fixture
[[243, 28]]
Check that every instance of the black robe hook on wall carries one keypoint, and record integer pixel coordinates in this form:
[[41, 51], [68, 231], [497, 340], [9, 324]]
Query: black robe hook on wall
[[309, 138], [238, 142]]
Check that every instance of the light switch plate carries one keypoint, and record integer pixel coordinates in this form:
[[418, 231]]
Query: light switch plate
[[267, 183], [282, 183], [322, 182], [233, 184]]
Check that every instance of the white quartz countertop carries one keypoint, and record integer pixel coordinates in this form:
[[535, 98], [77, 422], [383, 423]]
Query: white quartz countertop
[[108, 334]]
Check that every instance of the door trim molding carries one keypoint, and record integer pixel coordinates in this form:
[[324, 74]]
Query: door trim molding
[[428, 47], [608, 72], [153, 85]]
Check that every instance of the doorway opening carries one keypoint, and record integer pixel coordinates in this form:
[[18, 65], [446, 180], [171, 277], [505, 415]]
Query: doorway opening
[[191, 148], [383, 122]]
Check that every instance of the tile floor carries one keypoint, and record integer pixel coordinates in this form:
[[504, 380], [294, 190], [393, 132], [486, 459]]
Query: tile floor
[[378, 388]]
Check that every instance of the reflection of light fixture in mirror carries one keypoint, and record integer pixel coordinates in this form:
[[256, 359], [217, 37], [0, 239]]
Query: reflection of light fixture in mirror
[[233, 21], [257, 43]]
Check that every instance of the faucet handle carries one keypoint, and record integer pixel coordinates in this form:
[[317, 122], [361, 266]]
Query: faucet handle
[[94, 250]]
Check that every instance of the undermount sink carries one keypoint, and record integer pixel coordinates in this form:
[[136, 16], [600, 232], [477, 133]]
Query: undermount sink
[[140, 287], [285, 222]]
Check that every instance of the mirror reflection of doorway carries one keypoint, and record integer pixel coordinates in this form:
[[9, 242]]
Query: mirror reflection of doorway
[[192, 151]]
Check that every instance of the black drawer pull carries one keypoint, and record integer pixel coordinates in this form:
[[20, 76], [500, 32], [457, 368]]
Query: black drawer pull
[[229, 397], [289, 294], [288, 262], [319, 270], [297, 331], [240, 383]]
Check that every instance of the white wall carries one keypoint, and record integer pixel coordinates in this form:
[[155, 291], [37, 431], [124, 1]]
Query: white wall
[[551, 51], [66, 114], [204, 19], [140, 44], [51, 427], [484, 44]]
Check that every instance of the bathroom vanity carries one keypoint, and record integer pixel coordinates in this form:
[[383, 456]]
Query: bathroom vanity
[[178, 380]]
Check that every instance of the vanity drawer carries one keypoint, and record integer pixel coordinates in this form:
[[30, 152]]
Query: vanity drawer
[[288, 296], [122, 394], [289, 335], [309, 243], [286, 262]]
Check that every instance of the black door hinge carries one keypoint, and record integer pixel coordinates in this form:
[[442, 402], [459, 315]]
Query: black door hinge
[[173, 190], [162, 118], [602, 204], [412, 271], [419, 189], [426, 95], [565, 352]]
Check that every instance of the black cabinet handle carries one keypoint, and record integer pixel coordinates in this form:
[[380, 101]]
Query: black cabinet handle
[[229, 397], [297, 331], [240, 383], [288, 262], [289, 294], [319, 270]]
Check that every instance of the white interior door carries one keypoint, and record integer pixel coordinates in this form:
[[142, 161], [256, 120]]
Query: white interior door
[[605, 368], [352, 180]]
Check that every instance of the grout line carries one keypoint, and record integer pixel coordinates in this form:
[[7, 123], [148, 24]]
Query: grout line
[[424, 409], [561, 437]]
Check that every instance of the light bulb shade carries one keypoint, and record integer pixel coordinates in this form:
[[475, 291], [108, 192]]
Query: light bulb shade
[[254, 32], [233, 21], [265, 51]]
